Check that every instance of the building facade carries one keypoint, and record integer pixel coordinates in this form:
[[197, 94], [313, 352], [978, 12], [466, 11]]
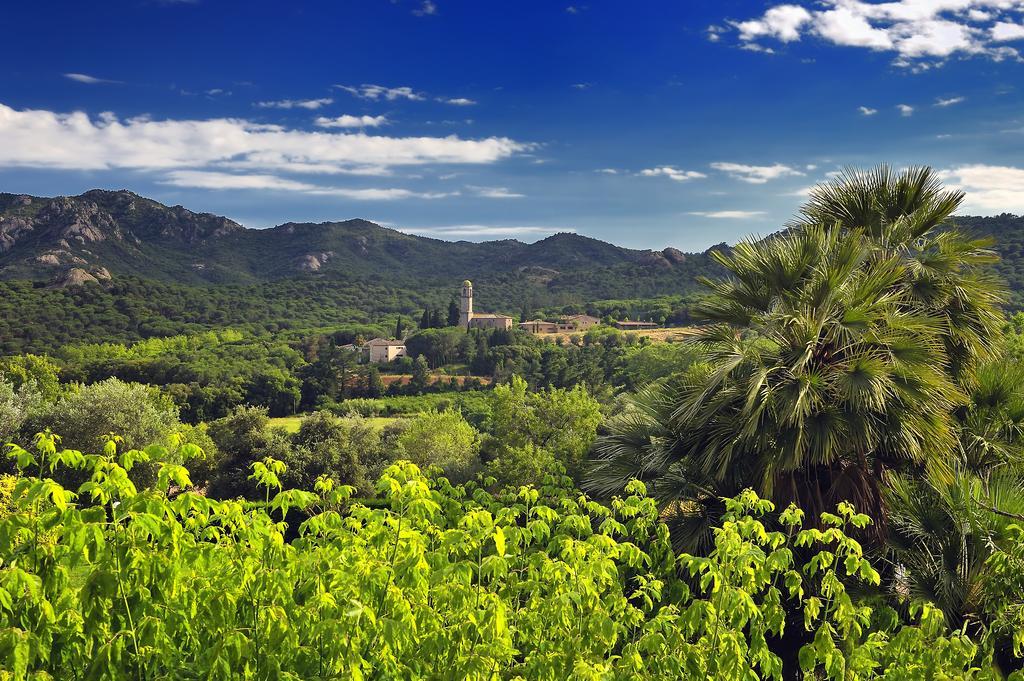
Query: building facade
[[383, 350], [539, 326], [478, 320], [577, 322]]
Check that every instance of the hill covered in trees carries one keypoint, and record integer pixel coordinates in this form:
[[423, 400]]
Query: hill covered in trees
[[112, 265], [1008, 232], [122, 233]]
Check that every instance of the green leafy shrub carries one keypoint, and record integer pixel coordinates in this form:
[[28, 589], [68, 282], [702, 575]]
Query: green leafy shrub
[[444, 439], [441, 582]]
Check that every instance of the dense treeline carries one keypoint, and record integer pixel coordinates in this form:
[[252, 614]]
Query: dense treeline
[[513, 434], [1007, 232], [207, 375], [40, 319]]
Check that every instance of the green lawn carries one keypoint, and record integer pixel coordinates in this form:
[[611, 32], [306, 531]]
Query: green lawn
[[291, 423]]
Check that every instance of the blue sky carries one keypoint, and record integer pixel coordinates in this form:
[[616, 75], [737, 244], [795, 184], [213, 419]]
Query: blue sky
[[647, 124]]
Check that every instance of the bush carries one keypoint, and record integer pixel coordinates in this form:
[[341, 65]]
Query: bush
[[562, 423], [441, 580], [442, 439], [243, 437], [326, 445], [86, 416], [17, 405]]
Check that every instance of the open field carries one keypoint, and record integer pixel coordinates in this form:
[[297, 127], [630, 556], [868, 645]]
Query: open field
[[661, 335], [291, 423]]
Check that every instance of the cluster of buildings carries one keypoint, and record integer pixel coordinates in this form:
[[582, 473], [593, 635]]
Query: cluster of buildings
[[576, 322], [383, 350]]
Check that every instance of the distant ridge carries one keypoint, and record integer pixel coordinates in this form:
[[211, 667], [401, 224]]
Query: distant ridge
[[102, 234]]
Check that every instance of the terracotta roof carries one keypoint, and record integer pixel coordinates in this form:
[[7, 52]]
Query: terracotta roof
[[488, 315], [378, 342]]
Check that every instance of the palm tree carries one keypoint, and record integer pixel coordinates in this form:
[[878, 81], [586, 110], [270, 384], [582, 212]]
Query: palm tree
[[837, 351], [907, 214], [992, 422], [941, 540]]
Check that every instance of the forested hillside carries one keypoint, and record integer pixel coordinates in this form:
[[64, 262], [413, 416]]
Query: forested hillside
[[121, 233], [116, 266], [1007, 230]]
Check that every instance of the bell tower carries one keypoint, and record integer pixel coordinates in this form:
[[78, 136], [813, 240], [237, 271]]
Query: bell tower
[[466, 304]]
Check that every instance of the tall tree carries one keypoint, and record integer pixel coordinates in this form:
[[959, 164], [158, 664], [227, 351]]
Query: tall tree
[[453, 313], [831, 361], [399, 328], [373, 386], [906, 214], [420, 379]]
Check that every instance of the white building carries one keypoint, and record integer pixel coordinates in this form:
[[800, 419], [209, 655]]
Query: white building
[[478, 320], [383, 350]]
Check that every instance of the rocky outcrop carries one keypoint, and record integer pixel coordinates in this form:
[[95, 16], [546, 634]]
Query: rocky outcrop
[[75, 220], [674, 255], [312, 262], [13, 229], [652, 258], [76, 276]]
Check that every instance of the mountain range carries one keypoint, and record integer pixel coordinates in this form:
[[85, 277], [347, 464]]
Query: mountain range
[[100, 234]]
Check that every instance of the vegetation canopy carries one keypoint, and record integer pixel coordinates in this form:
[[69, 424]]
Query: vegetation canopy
[[439, 582]]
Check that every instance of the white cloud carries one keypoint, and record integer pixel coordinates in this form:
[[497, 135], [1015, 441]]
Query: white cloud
[[47, 139], [949, 102], [905, 109], [216, 180], [921, 33], [865, 111], [782, 22], [581, 86], [484, 230], [495, 192], [311, 104], [427, 8], [377, 92], [756, 174], [607, 171], [1004, 32], [457, 101], [347, 121], [844, 26], [989, 189], [673, 173], [729, 214], [87, 79]]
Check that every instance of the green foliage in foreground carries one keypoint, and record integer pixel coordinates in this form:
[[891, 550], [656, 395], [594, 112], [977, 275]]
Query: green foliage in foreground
[[442, 582]]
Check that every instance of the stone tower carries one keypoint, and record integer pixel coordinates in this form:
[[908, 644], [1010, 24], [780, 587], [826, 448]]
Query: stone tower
[[466, 304]]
